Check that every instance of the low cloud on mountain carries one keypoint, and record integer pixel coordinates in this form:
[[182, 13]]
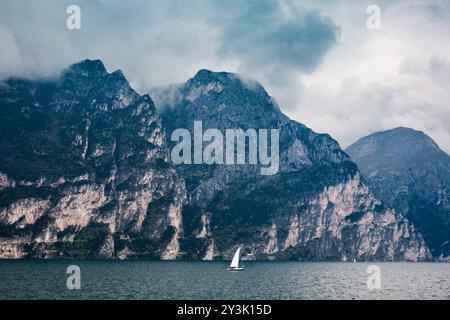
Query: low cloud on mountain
[[317, 59]]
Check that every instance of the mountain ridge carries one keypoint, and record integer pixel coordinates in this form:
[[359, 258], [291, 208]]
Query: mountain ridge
[[225, 196], [96, 166], [100, 182]]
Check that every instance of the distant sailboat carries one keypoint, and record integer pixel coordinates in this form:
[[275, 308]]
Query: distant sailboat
[[234, 266]]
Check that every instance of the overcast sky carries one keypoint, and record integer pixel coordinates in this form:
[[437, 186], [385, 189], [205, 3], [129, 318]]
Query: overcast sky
[[318, 60]]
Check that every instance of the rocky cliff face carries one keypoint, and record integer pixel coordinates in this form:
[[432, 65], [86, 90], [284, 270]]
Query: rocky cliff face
[[409, 172], [84, 170], [315, 208]]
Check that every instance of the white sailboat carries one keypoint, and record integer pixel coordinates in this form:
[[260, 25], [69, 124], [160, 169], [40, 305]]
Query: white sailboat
[[234, 266]]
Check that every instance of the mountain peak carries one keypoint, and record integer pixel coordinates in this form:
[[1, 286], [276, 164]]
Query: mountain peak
[[92, 69], [405, 131], [205, 73], [402, 148], [410, 173], [402, 139], [88, 66], [205, 76]]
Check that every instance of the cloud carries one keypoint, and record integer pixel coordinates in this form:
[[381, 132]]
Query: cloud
[[356, 109], [275, 38], [163, 41], [316, 58], [378, 80], [436, 68], [154, 42], [9, 52]]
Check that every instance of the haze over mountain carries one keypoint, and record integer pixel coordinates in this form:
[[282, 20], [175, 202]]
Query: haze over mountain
[[409, 172], [86, 173]]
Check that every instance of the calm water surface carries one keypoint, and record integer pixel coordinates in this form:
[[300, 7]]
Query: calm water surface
[[30, 279]]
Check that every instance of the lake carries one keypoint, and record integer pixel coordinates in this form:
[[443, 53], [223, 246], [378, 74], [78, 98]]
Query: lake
[[44, 279]]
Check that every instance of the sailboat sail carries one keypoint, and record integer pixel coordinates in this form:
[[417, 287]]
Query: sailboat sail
[[235, 261]]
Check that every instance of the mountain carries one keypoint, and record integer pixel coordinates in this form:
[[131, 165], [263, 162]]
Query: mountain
[[409, 172], [87, 171], [316, 207], [84, 170]]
